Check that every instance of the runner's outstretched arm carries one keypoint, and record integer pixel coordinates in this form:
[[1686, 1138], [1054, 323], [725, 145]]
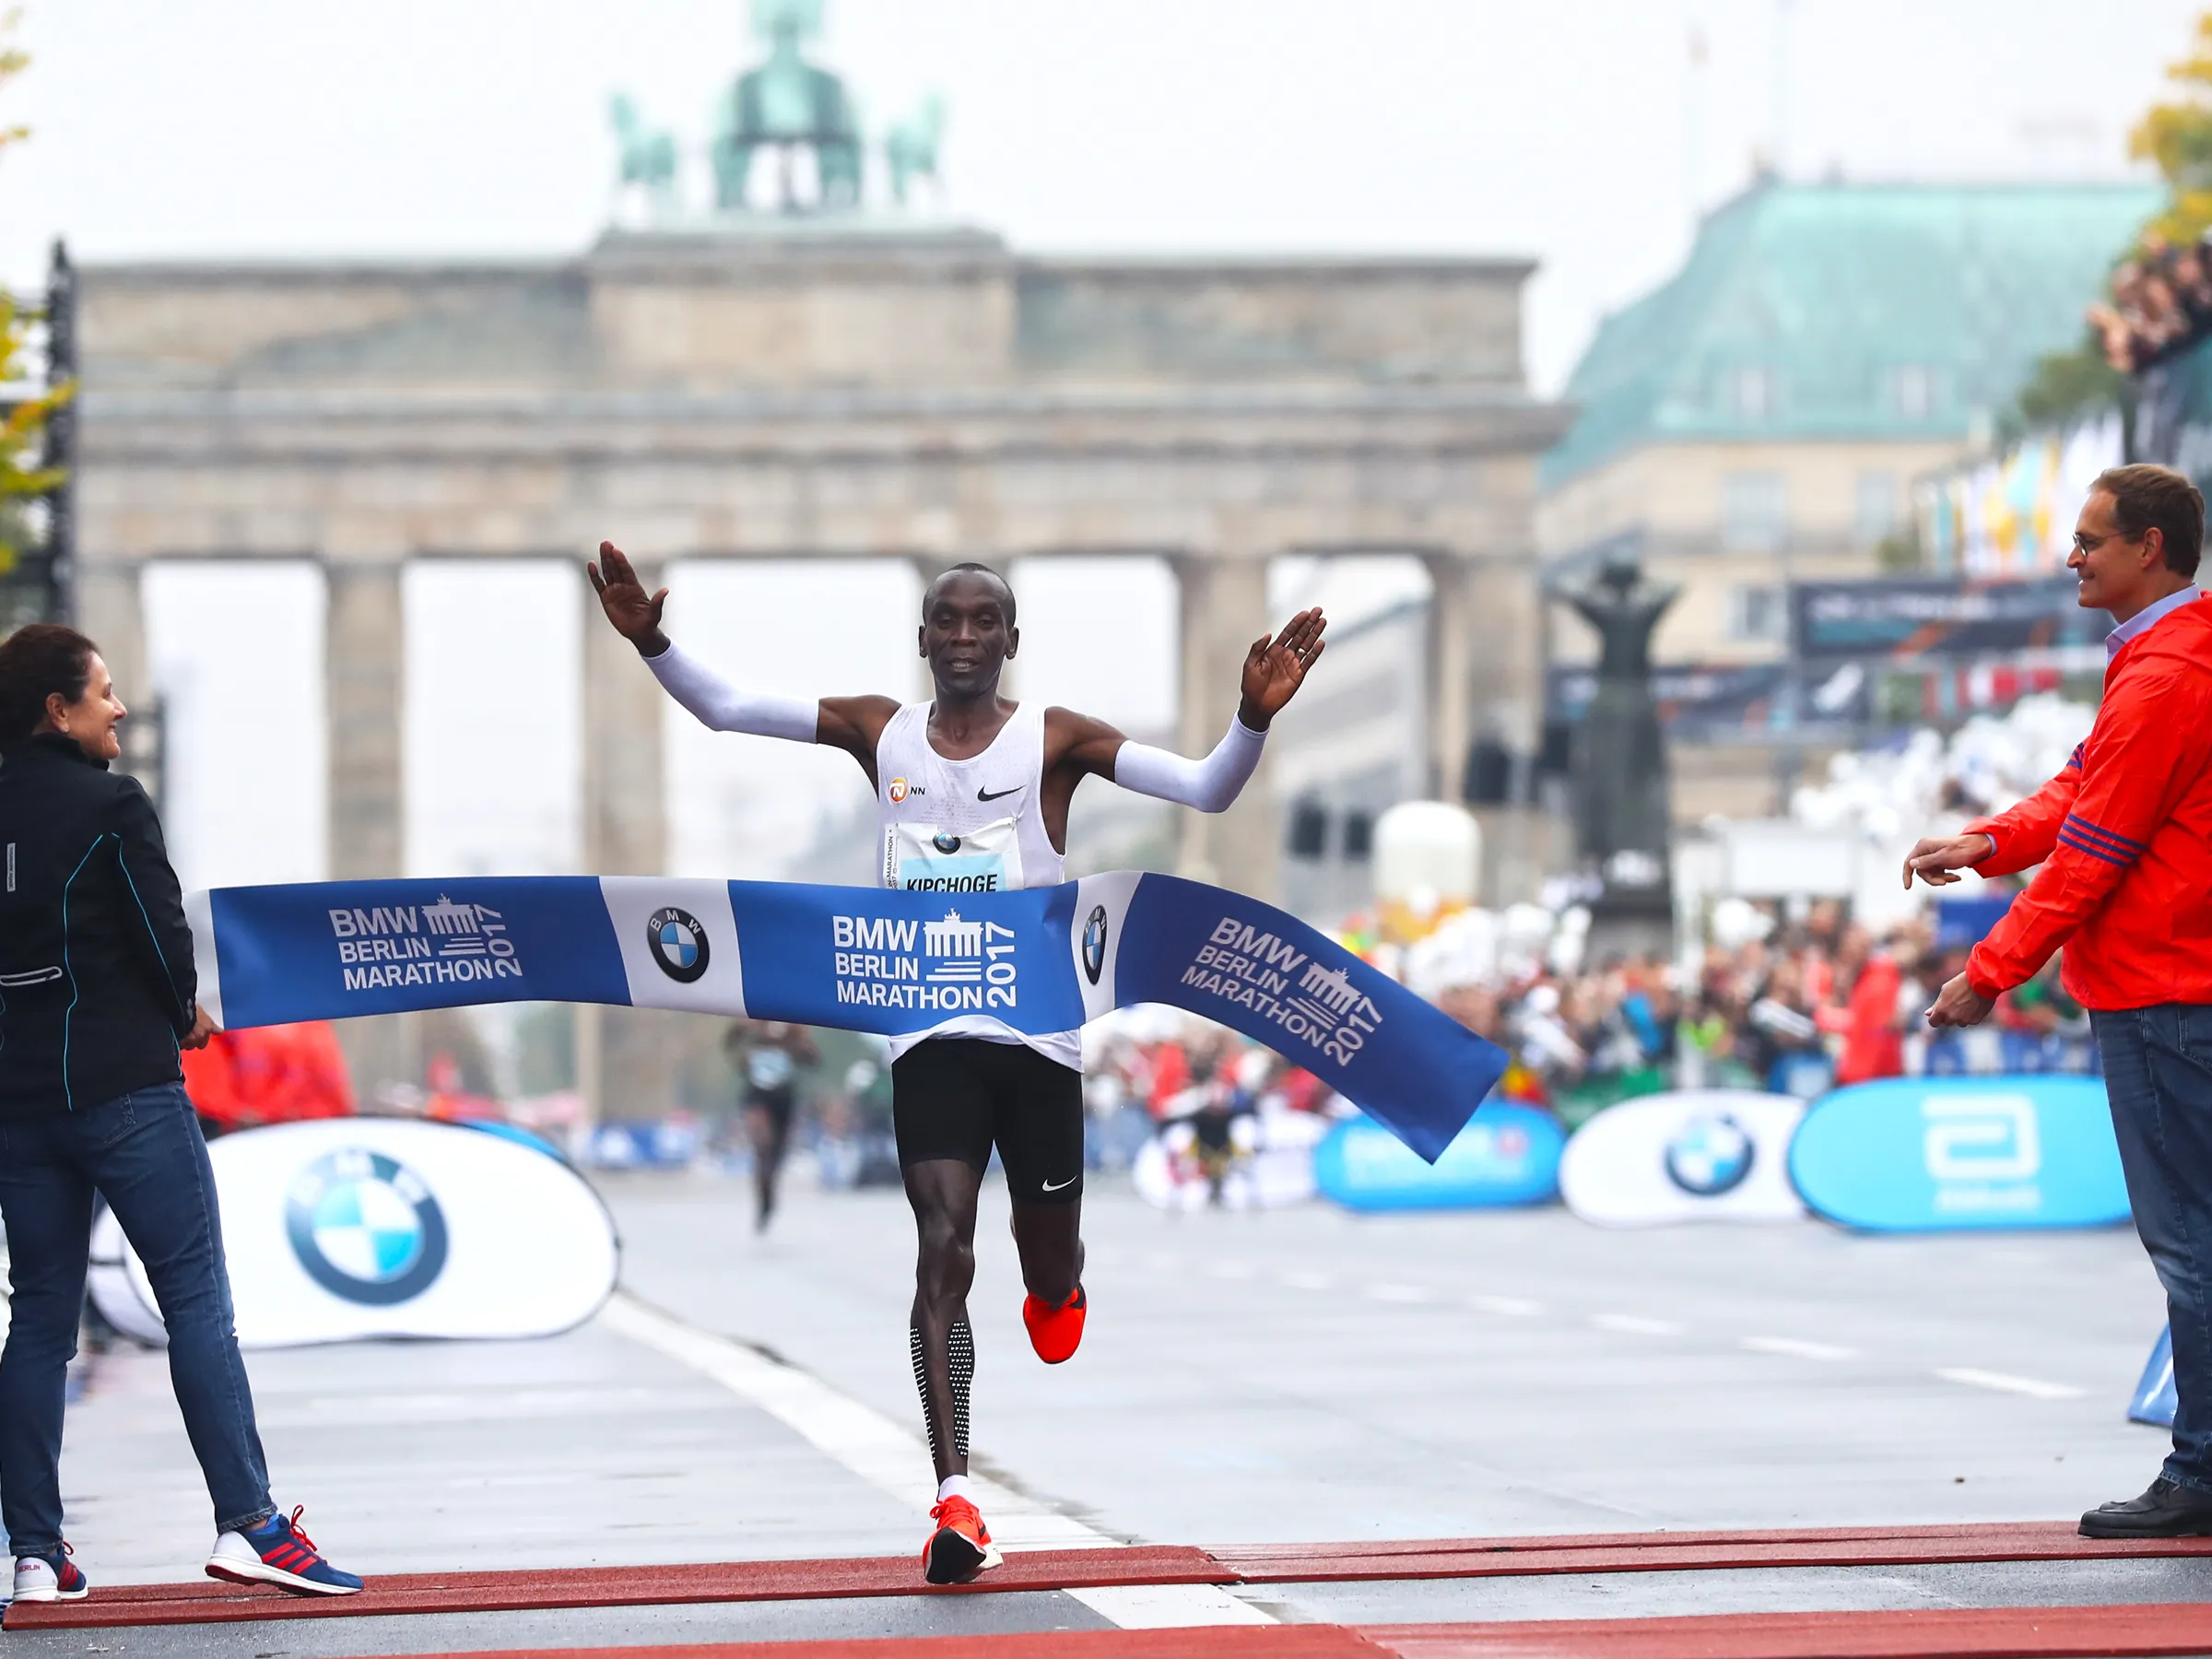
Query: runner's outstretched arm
[[1274, 669], [852, 723]]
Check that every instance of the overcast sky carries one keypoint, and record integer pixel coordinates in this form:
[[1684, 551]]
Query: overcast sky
[[1583, 133], [1576, 131]]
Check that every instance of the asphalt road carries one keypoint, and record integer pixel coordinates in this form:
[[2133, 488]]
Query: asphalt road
[[1295, 1375], [1307, 1374]]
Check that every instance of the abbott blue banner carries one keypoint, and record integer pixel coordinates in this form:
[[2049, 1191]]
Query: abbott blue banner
[[863, 958], [2155, 1400], [1510, 1156], [1922, 1154]]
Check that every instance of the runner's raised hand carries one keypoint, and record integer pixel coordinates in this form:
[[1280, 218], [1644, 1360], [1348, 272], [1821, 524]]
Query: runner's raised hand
[[635, 615], [1274, 669]]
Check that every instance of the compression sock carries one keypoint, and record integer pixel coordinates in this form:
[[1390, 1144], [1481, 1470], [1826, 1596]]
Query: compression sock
[[961, 1351], [959, 1348], [929, 1421]]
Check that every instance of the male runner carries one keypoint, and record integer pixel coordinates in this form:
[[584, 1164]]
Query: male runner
[[768, 1055], [973, 789]]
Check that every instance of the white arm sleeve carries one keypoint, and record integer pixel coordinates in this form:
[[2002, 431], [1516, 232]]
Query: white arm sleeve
[[721, 707], [1209, 784]]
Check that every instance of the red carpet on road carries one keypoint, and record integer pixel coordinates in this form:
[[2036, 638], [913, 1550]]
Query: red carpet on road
[[1971, 1633], [204, 1601], [1945, 1633]]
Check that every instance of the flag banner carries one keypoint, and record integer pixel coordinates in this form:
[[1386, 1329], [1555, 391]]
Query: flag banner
[[876, 959]]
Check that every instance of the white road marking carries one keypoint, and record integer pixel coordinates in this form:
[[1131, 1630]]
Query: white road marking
[[1517, 1306], [1398, 1293], [1168, 1606], [2034, 1388], [1230, 1270], [1793, 1348], [895, 1461], [1633, 1324], [1308, 1281]]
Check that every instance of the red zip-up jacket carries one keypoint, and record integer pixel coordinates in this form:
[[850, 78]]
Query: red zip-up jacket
[[2124, 837]]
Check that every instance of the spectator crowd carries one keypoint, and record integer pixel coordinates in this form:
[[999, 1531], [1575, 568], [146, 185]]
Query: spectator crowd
[[2160, 305]]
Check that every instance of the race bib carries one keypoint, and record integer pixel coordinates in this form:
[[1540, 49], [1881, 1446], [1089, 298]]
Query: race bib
[[923, 858], [768, 1068]]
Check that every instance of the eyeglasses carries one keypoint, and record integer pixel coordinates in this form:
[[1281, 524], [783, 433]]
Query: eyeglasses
[[2087, 545]]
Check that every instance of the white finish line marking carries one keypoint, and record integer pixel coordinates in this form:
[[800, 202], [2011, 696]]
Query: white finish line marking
[[1793, 1349], [2030, 1386], [1633, 1324], [890, 1459], [1308, 1281], [1398, 1293]]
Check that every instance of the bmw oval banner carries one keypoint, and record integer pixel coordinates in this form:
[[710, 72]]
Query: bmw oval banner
[[1508, 1155], [1699, 1155], [349, 1228], [1920, 1154]]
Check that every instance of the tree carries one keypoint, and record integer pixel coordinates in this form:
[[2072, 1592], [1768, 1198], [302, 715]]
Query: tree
[[25, 473], [2065, 385], [2177, 137]]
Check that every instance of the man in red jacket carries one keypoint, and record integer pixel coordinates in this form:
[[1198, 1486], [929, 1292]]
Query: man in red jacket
[[2124, 835]]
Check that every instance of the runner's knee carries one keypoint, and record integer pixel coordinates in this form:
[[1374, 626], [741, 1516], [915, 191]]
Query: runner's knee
[[946, 1264]]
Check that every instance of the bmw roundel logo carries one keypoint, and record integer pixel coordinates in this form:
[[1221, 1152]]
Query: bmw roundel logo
[[366, 1228], [1712, 1155], [945, 841], [1094, 944], [678, 944]]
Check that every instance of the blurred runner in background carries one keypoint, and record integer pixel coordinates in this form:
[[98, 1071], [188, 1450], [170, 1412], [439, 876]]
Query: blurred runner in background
[[767, 1055]]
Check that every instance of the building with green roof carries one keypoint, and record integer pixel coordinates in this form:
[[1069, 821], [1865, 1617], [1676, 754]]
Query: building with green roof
[[1760, 417]]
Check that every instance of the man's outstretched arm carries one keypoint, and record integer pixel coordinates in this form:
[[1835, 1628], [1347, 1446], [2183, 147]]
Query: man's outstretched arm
[[1274, 669], [851, 724]]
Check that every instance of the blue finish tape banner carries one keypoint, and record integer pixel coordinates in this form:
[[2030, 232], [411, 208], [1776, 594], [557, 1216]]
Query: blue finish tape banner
[[1510, 1156], [861, 958], [2156, 1400], [1922, 1154]]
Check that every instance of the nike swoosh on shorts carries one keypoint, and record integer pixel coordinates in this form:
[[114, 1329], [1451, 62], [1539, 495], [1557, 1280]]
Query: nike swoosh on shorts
[[1054, 1186]]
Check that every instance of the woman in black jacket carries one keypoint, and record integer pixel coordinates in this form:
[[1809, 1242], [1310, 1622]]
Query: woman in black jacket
[[97, 996]]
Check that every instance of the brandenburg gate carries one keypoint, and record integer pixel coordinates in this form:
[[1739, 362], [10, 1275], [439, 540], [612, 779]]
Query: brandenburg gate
[[789, 387]]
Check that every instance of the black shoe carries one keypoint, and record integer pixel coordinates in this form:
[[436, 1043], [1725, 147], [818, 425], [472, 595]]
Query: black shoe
[[2167, 1511]]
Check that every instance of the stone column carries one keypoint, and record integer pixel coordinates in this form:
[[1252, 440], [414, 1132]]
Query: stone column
[[623, 1054], [1223, 609], [1448, 713], [364, 678], [111, 610], [1487, 682]]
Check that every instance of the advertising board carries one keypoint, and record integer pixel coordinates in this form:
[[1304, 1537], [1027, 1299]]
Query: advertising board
[[348, 1228], [1698, 1155], [1507, 1155], [1928, 1154]]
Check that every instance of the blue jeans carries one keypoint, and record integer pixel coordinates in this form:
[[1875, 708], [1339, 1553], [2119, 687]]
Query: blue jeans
[[143, 1153], [2158, 1071]]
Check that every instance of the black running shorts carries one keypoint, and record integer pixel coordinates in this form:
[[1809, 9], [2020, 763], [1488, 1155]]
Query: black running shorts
[[957, 1097]]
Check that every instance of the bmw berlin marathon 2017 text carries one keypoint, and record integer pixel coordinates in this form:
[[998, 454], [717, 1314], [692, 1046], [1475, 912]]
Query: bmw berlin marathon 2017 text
[[969, 966], [442, 943]]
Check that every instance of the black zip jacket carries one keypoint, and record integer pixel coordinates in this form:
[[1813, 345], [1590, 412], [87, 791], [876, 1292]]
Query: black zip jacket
[[97, 984]]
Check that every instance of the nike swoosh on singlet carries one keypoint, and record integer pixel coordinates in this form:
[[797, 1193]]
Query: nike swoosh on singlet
[[993, 795]]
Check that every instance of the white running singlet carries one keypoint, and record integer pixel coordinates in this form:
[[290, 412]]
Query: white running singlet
[[974, 826]]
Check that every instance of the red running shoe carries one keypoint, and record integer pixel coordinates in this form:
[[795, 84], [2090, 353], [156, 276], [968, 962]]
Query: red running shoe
[[961, 1546], [1055, 1332]]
